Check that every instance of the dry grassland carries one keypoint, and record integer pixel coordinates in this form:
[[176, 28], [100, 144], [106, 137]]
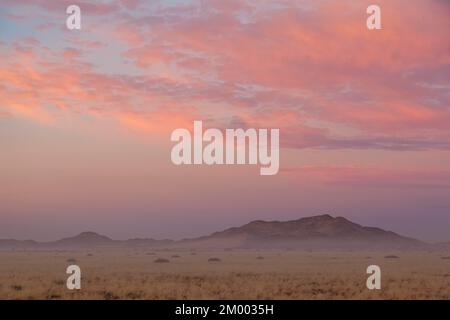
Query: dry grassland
[[224, 275]]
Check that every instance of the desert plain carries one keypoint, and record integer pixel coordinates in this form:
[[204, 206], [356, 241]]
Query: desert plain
[[224, 274]]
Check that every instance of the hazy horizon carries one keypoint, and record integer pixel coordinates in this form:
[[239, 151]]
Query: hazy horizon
[[121, 235]]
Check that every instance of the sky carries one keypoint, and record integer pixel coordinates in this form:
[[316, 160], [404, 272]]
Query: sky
[[86, 115]]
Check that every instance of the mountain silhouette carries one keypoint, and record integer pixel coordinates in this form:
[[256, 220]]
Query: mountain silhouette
[[85, 238], [316, 232], [313, 232]]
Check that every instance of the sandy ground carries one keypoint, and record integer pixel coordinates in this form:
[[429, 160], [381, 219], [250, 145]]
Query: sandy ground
[[237, 275]]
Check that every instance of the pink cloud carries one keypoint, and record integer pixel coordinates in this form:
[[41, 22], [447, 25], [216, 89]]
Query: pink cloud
[[346, 74], [315, 71]]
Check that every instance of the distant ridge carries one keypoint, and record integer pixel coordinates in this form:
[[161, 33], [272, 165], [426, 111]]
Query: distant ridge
[[85, 238], [323, 231], [316, 232]]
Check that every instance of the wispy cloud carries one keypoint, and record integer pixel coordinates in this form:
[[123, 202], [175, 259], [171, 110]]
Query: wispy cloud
[[373, 177]]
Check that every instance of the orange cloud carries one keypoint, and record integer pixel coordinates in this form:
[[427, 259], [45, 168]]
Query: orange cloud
[[156, 122]]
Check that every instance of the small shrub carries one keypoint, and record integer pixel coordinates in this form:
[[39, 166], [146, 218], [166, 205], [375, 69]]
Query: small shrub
[[134, 295], [108, 295], [214, 260]]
